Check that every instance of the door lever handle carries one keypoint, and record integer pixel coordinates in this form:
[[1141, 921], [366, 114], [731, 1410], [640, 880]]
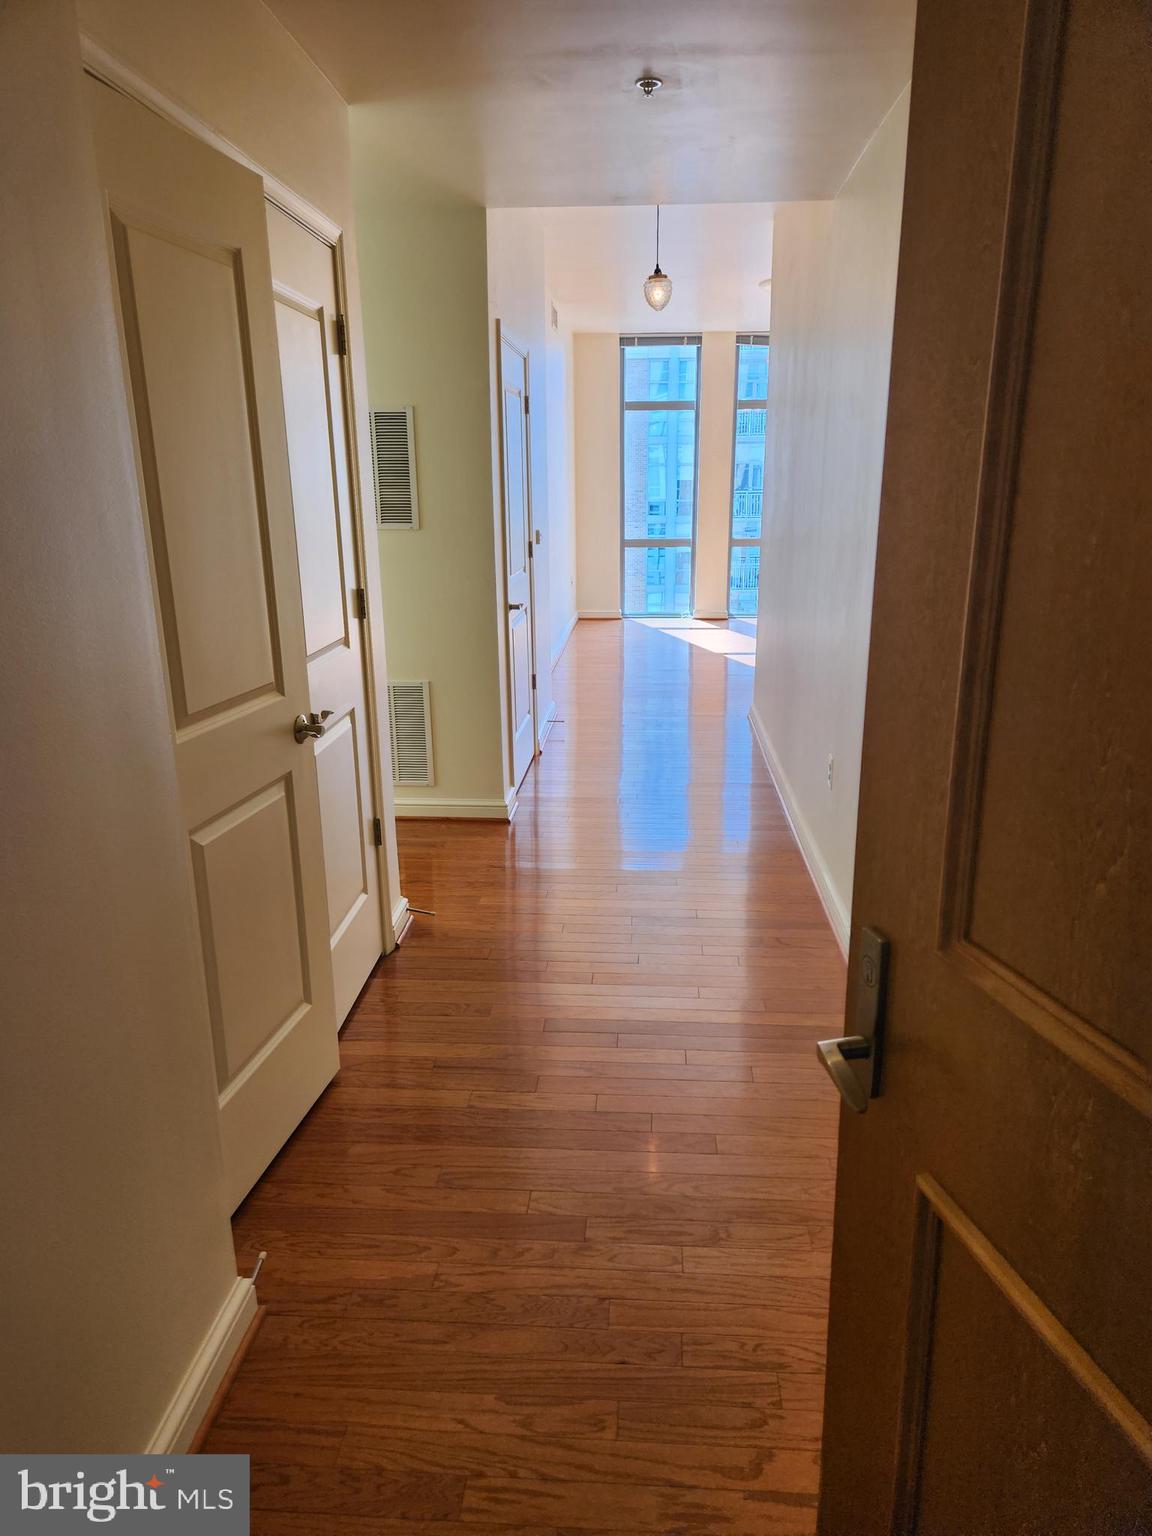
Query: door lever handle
[[517, 607], [835, 1056], [309, 727]]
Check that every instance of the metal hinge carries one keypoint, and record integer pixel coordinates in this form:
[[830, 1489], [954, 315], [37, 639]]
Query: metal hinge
[[533, 679], [361, 603], [531, 556], [377, 831], [341, 335], [527, 406]]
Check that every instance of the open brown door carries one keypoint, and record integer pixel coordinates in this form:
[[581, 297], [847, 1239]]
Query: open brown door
[[990, 1355]]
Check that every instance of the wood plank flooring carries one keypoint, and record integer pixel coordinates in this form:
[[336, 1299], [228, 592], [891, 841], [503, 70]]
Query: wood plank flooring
[[550, 1257]]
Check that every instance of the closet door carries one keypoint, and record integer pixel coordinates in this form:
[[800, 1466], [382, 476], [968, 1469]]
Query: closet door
[[190, 251]]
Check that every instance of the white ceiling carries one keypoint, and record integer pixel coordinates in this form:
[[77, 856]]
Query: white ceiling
[[522, 103], [715, 253]]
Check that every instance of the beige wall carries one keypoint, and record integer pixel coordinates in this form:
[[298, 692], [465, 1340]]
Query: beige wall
[[117, 1248], [834, 284], [117, 1254], [596, 454], [233, 64], [596, 395], [423, 264], [714, 501]]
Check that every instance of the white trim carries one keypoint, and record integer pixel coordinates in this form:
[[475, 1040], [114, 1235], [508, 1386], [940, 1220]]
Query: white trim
[[834, 909], [122, 77], [711, 618], [490, 810], [599, 613], [558, 650], [193, 1397]]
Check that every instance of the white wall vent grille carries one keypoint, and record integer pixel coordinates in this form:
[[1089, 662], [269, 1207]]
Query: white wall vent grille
[[394, 468], [410, 728]]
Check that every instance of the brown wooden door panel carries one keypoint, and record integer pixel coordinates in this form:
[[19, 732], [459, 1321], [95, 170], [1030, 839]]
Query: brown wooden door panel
[[990, 1367]]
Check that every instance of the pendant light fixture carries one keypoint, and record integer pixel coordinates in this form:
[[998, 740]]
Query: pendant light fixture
[[658, 287]]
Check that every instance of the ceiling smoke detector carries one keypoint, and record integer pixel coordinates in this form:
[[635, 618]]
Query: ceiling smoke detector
[[648, 84]]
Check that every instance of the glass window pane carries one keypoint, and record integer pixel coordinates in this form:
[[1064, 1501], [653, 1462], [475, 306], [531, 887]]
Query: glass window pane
[[744, 581], [751, 372], [748, 473], [659, 474], [658, 581], [660, 373]]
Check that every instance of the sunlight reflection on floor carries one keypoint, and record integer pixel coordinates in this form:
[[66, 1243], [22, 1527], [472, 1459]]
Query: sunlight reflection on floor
[[735, 638]]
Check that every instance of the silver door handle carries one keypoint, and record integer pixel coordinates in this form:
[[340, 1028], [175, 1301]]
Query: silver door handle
[[308, 727], [835, 1056]]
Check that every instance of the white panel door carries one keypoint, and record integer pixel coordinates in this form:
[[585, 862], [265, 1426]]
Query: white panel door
[[304, 276], [517, 515], [190, 252]]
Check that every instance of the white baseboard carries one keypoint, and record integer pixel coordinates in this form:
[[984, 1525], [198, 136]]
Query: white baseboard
[[599, 613], [480, 810], [558, 650], [546, 724], [834, 908], [711, 618], [184, 1413], [401, 917]]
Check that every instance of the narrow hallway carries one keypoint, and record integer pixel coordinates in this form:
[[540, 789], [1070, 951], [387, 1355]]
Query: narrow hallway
[[551, 1254]]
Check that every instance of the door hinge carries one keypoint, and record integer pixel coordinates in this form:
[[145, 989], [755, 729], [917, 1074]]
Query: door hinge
[[533, 679], [531, 556], [527, 406], [341, 335], [361, 603], [377, 831]]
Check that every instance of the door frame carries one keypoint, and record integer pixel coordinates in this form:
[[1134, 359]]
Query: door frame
[[102, 65], [505, 337]]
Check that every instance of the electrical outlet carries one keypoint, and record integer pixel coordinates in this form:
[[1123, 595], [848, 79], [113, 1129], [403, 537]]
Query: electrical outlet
[[831, 769]]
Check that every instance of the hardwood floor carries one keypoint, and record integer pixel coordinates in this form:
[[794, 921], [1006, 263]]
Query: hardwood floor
[[551, 1254]]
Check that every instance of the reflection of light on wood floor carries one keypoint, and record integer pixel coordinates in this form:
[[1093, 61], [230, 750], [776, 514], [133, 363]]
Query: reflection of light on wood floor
[[719, 638]]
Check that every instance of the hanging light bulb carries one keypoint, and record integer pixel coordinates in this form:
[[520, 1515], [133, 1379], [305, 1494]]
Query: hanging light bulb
[[658, 287]]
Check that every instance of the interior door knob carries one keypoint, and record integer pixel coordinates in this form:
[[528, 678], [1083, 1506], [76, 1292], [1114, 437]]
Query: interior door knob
[[835, 1056], [308, 727]]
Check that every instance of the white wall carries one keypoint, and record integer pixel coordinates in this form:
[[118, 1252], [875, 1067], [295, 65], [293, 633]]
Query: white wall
[[518, 299], [117, 1252], [834, 285], [559, 363], [596, 396]]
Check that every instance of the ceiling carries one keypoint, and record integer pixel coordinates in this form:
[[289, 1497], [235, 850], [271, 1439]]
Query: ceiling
[[531, 103], [716, 255]]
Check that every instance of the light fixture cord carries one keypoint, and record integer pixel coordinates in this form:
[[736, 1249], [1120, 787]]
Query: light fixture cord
[[657, 237]]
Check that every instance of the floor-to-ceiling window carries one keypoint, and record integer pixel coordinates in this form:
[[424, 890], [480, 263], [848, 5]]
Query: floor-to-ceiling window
[[747, 474], [659, 382]]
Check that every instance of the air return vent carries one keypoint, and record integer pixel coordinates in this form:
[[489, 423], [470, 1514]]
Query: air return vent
[[394, 468], [410, 727]]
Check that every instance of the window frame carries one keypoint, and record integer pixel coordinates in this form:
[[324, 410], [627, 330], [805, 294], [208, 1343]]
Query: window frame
[[661, 340], [745, 339]]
